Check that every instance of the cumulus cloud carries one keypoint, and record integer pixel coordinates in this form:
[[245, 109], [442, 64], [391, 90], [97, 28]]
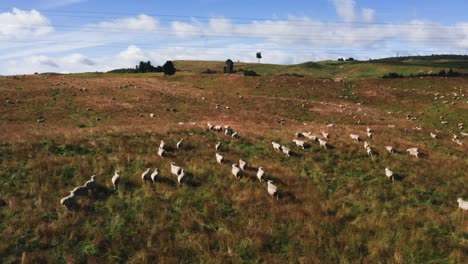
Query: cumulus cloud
[[345, 9], [368, 15], [77, 59], [42, 60], [139, 23], [23, 24]]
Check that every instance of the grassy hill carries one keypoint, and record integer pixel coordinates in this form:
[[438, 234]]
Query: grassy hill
[[335, 205]]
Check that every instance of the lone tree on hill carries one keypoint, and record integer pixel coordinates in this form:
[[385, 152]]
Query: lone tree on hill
[[229, 68], [259, 56], [168, 68]]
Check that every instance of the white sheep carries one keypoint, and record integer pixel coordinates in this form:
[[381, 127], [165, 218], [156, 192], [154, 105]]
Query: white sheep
[[68, 201], [217, 128], [242, 164], [155, 175], [369, 134], [464, 134], [91, 184], [354, 137], [218, 145], [309, 136], [179, 144], [369, 151], [433, 135], [181, 178], [235, 135], [260, 174], [276, 146], [462, 204], [162, 144], [325, 135], [299, 143], [219, 158], [80, 191], [413, 152], [366, 145], [286, 150], [369, 130], [161, 152], [175, 169], [390, 149], [210, 126], [389, 174], [235, 171], [322, 143], [116, 179], [146, 176], [272, 189]]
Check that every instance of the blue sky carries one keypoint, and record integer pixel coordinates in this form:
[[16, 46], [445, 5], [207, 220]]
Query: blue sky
[[92, 35]]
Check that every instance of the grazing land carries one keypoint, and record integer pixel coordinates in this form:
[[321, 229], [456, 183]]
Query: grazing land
[[335, 205]]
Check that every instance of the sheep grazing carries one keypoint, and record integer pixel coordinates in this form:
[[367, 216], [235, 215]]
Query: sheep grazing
[[369, 134], [390, 149], [217, 128], [366, 145], [146, 176], [276, 146], [218, 145], [162, 144], [433, 135], [181, 178], [210, 126], [286, 150], [161, 152], [155, 175], [219, 158], [389, 174], [462, 204], [235, 171], [179, 144], [369, 151], [322, 143], [413, 152], [309, 136], [457, 141], [91, 184], [325, 135], [260, 174], [68, 201], [116, 179], [235, 135], [80, 191], [242, 164], [464, 134], [175, 169], [272, 189], [330, 125], [299, 143], [354, 137], [368, 130]]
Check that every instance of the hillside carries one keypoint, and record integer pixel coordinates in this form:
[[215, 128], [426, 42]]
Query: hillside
[[335, 205]]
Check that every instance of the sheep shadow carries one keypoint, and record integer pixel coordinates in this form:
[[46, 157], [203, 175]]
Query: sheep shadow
[[100, 193], [191, 180], [166, 181], [288, 196], [274, 179], [398, 177]]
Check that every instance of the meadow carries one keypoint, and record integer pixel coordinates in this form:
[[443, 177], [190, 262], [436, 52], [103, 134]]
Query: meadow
[[335, 205]]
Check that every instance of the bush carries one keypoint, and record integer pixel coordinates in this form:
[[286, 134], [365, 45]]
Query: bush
[[168, 68], [250, 73], [392, 75]]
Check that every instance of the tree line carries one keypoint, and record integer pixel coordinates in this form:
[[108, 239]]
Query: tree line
[[143, 67]]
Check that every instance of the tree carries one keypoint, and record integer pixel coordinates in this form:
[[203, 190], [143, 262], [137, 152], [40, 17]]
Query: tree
[[168, 68], [229, 68], [259, 56]]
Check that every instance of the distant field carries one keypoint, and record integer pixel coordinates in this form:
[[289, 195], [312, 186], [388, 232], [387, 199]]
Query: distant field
[[335, 205]]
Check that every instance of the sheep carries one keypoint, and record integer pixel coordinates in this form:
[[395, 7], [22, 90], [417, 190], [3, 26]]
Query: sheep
[[464, 134], [235, 135], [309, 136], [299, 143], [390, 149], [80, 191], [181, 178], [369, 151], [219, 158], [366, 145], [162, 144], [368, 130], [175, 169], [462, 204], [161, 152], [457, 141], [91, 184], [68, 201], [218, 145], [433, 135], [389, 174], [286, 150], [276, 146], [217, 128], [272, 189], [325, 135], [116, 179], [369, 134], [146, 176], [242, 164], [354, 137], [260, 174], [179, 144], [413, 152], [322, 143], [210, 126], [155, 175], [235, 171]]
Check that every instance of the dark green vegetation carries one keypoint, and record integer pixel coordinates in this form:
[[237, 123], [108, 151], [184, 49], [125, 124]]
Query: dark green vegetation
[[336, 205]]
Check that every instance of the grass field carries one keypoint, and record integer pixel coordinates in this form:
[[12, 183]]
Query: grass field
[[335, 205]]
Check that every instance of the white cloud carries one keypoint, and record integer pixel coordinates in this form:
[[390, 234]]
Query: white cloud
[[21, 24], [345, 9], [77, 59], [139, 23], [42, 60], [368, 15]]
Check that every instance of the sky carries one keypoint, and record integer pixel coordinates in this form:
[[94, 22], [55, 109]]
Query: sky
[[99, 35]]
